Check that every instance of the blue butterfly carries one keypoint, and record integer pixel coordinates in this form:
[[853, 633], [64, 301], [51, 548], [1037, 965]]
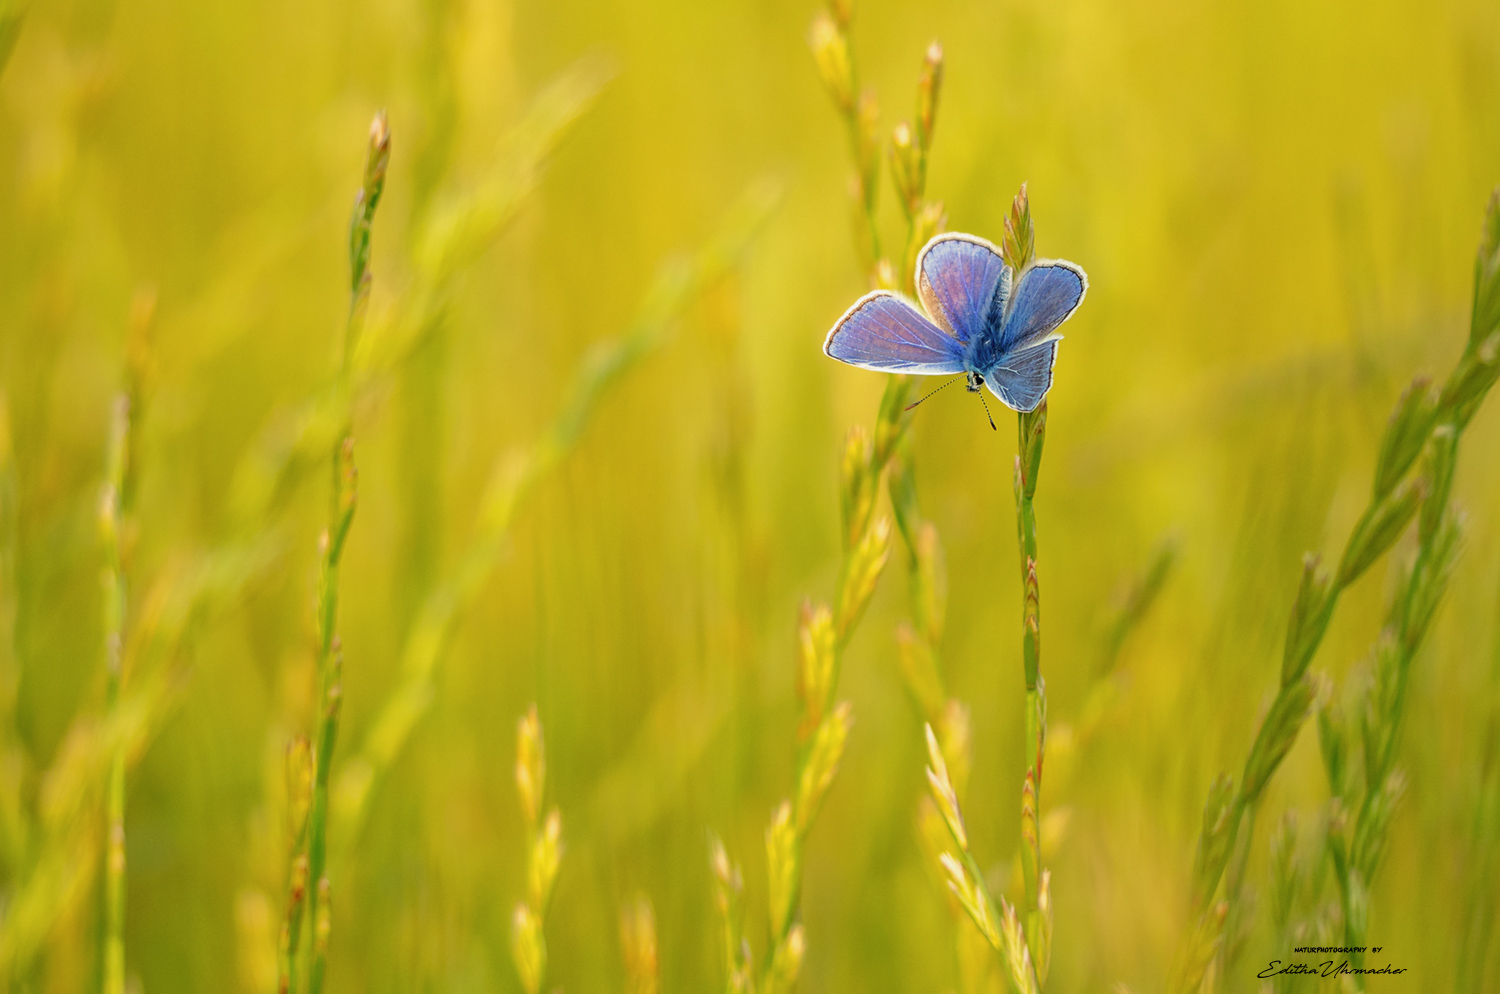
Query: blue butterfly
[[1000, 335]]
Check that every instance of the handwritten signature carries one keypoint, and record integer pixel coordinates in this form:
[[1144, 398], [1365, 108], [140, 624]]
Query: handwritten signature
[[1325, 969]]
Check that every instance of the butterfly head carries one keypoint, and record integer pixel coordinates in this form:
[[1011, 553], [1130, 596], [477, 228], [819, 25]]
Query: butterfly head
[[972, 380]]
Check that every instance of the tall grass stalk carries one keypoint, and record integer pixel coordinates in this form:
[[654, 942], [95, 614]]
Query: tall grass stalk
[[999, 922], [331, 548], [514, 480], [544, 850], [116, 533], [13, 759], [919, 641], [1362, 811], [114, 603], [910, 151], [1481, 904], [1019, 251], [823, 633], [58, 869], [1423, 419], [729, 890], [1023, 937], [918, 644], [464, 221], [638, 944], [458, 220]]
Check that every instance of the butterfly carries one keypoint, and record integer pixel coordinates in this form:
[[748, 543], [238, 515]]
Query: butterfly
[[983, 321]]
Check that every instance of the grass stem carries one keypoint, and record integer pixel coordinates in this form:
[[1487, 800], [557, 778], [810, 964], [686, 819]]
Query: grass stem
[[331, 548], [1422, 419], [116, 532]]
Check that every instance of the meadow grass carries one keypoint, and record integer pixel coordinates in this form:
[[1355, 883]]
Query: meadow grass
[[116, 534], [1427, 424], [910, 151], [594, 488], [309, 880], [544, 850]]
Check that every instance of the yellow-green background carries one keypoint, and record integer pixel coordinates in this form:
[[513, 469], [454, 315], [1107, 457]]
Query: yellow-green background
[[1276, 204]]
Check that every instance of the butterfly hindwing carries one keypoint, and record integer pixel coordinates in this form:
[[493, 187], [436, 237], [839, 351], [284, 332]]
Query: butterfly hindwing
[[962, 281], [884, 332], [1044, 297], [1022, 378]]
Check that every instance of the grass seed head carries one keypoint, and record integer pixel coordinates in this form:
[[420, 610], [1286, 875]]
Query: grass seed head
[[638, 944], [1379, 528], [906, 169], [786, 962], [929, 87], [1018, 247], [541, 865], [782, 867], [1485, 317], [1277, 734], [971, 897], [862, 570], [1043, 941], [1214, 839], [1202, 947], [1310, 615], [1017, 955], [1333, 747], [1405, 431], [528, 948], [942, 791], [1441, 457], [830, 49], [531, 765], [1285, 870], [822, 764], [858, 485], [816, 648]]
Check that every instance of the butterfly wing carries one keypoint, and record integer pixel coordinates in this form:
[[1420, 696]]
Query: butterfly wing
[[1022, 378], [884, 332], [1046, 295], [963, 283]]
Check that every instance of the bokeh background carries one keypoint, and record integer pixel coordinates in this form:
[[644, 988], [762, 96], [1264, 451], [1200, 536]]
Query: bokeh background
[[1277, 205]]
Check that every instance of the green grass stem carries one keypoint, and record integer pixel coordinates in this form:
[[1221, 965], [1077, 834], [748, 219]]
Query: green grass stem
[[514, 480], [1357, 836], [330, 549], [114, 604], [463, 222], [1481, 904], [544, 849], [116, 527], [14, 818], [1422, 418]]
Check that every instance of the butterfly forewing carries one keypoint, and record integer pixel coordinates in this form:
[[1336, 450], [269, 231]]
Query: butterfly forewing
[[1044, 297], [962, 282], [882, 331]]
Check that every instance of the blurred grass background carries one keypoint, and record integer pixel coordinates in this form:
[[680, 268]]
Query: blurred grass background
[[1277, 206]]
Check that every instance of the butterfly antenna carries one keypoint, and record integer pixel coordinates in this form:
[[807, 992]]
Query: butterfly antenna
[[987, 411], [930, 393]]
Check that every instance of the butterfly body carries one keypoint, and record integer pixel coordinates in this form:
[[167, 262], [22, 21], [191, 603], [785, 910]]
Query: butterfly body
[[981, 320]]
